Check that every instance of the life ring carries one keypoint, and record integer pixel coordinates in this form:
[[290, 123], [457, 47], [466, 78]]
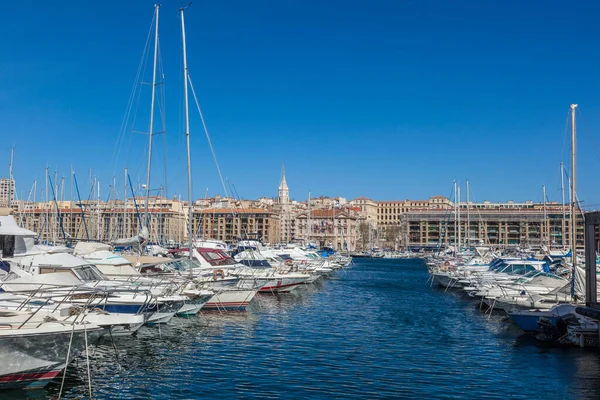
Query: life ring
[[218, 272], [304, 262], [289, 262], [447, 263]]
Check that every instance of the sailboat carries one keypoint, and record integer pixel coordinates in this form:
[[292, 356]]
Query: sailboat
[[529, 319]]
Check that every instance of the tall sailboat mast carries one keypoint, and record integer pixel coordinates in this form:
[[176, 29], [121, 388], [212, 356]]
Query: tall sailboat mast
[[562, 191], [187, 135], [455, 217], [11, 183], [573, 191], [124, 232], [309, 226], [468, 230], [545, 230], [458, 217], [151, 128]]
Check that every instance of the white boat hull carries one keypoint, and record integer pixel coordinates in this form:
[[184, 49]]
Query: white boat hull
[[230, 300], [32, 359]]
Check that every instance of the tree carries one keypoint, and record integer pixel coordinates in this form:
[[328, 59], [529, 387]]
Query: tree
[[392, 233], [363, 230]]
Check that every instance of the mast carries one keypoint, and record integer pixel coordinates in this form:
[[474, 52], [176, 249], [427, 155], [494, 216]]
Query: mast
[[46, 209], [151, 128], [455, 216], [468, 232], [562, 191], [545, 218], [113, 219], [71, 228], [11, 182], [458, 216], [124, 233], [309, 226], [573, 191], [187, 136], [54, 187], [87, 233], [98, 210], [160, 219]]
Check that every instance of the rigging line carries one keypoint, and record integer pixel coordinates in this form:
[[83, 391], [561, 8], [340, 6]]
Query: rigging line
[[138, 97], [584, 126], [207, 135], [234, 190], [123, 127], [578, 204], [131, 127], [472, 199], [162, 109], [445, 222]]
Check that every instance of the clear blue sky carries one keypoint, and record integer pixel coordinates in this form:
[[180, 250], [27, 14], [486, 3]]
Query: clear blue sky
[[387, 99]]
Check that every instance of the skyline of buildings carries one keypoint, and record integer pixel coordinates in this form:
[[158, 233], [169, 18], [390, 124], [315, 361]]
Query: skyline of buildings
[[356, 224]]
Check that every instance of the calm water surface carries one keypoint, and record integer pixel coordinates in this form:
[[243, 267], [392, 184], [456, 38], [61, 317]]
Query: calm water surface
[[376, 330]]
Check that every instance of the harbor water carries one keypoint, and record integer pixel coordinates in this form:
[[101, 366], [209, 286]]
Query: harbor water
[[374, 330]]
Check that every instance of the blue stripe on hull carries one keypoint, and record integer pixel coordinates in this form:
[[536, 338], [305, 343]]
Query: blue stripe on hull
[[121, 308]]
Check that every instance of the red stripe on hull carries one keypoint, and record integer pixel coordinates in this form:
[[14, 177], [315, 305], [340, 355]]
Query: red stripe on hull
[[269, 288], [27, 379], [29, 376]]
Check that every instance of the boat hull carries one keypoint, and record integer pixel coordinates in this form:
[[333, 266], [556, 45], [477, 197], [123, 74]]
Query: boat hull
[[231, 300], [33, 359], [282, 285]]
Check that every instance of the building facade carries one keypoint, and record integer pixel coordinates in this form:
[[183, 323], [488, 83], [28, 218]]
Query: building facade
[[7, 192], [283, 208], [231, 225], [499, 225], [335, 228]]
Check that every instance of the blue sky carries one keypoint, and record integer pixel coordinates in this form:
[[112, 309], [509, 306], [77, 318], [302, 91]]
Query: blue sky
[[387, 99]]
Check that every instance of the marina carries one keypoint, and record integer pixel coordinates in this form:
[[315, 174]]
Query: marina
[[154, 249], [284, 346]]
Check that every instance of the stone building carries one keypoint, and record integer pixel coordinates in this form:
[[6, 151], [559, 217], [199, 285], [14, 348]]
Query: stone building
[[335, 228], [497, 224], [7, 192], [230, 224], [283, 208]]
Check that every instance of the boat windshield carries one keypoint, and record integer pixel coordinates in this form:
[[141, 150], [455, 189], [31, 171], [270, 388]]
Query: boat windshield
[[216, 258], [497, 265], [256, 263], [518, 269], [176, 265], [275, 259], [88, 273]]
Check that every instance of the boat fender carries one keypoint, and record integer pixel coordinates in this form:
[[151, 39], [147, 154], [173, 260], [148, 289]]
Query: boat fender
[[218, 272]]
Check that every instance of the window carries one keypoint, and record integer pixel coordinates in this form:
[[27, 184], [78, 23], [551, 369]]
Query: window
[[88, 273]]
